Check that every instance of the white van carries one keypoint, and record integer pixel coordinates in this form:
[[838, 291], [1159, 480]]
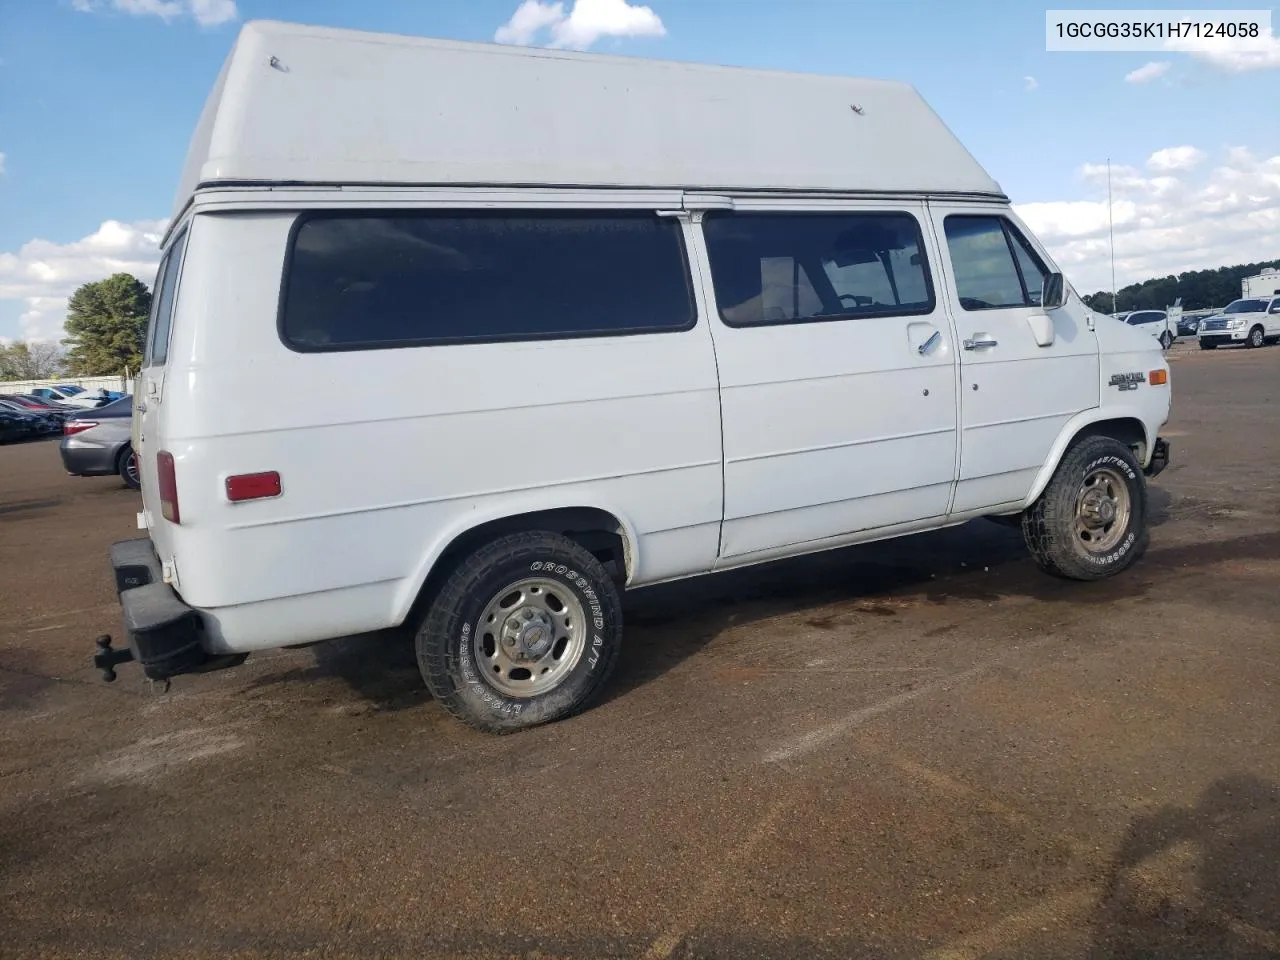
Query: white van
[[653, 320]]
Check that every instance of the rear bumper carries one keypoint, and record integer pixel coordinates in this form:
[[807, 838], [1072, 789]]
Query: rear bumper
[[85, 459], [1159, 458], [165, 635]]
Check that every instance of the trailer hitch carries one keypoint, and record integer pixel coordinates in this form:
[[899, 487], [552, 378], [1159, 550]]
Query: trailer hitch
[[106, 658]]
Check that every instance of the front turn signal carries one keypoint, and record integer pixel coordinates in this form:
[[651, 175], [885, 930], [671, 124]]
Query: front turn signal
[[1158, 378]]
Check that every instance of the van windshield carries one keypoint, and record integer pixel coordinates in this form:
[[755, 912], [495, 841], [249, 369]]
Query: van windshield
[[1247, 306]]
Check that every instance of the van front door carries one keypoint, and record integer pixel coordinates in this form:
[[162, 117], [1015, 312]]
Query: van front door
[[837, 374], [1016, 392]]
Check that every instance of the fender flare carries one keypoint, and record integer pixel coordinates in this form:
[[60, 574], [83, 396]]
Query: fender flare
[[1071, 429], [509, 507]]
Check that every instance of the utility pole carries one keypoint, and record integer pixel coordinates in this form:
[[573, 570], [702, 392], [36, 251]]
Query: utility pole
[[1111, 229]]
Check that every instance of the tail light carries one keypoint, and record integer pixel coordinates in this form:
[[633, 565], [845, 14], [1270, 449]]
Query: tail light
[[72, 427], [168, 484]]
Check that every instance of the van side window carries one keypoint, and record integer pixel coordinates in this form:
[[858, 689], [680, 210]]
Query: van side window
[[994, 265], [157, 352], [772, 268], [413, 278]]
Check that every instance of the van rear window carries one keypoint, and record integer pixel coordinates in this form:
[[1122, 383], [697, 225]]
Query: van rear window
[[360, 281]]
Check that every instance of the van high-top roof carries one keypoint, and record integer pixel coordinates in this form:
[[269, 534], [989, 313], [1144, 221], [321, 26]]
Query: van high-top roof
[[308, 105]]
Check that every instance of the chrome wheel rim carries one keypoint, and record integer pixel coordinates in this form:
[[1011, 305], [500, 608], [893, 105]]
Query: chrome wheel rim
[[1103, 506], [1255, 338], [529, 637], [131, 467]]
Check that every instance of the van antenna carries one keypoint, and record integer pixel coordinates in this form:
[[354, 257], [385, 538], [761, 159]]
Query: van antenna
[[1111, 230]]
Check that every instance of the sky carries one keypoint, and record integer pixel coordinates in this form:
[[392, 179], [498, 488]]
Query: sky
[[98, 99]]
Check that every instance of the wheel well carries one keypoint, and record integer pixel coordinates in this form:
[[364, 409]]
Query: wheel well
[[601, 533], [1126, 430]]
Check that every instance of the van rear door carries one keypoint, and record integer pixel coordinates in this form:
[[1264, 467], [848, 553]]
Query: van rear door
[[149, 387]]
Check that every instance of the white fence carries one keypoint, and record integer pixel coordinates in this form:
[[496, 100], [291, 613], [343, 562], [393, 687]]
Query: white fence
[[123, 384]]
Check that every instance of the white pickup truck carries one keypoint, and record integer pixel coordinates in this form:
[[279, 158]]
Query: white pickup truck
[[1248, 322]]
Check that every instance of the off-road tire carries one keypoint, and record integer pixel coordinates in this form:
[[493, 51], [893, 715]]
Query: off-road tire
[[1049, 525], [444, 642]]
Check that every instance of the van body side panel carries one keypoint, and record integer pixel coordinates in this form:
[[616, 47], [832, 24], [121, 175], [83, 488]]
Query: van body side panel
[[384, 454]]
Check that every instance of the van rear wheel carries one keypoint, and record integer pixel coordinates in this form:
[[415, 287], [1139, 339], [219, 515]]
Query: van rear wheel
[[526, 630], [1091, 521]]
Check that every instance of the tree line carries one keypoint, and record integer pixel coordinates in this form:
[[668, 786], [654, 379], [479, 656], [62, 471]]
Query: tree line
[[1199, 290], [106, 328]]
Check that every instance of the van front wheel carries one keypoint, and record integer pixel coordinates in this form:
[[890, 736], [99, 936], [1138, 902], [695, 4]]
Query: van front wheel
[[1091, 521], [526, 630]]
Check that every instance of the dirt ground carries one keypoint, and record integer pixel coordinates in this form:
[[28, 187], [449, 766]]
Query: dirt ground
[[922, 748]]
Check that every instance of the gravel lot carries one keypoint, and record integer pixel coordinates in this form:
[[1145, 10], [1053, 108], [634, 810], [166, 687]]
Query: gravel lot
[[922, 748]]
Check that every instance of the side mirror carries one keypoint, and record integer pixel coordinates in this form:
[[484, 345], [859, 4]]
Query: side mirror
[[1053, 293]]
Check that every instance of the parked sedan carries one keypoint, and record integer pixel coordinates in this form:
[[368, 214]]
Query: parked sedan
[[35, 404], [39, 422], [96, 443], [14, 426]]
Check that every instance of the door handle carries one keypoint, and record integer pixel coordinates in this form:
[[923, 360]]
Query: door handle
[[977, 344], [929, 344]]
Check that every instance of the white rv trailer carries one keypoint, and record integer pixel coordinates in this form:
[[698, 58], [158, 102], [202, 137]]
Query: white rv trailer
[[1265, 284], [652, 320]]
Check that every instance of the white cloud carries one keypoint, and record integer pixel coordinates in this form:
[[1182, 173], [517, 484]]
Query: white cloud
[[42, 274], [1175, 158], [530, 19], [207, 13], [587, 22], [1232, 55], [1030, 83], [1148, 72], [1180, 220]]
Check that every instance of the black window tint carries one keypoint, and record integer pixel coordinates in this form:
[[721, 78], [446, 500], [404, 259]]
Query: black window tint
[[357, 281], [789, 267], [163, 302], [992, 263]]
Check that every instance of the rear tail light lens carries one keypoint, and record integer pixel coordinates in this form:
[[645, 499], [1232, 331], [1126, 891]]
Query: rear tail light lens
[[168, 484], [72, 427]]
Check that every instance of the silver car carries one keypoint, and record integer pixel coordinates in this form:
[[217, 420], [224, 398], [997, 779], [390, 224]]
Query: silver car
[[96, 443]]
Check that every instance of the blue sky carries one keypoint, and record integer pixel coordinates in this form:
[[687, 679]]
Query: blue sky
[[99, 97]]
